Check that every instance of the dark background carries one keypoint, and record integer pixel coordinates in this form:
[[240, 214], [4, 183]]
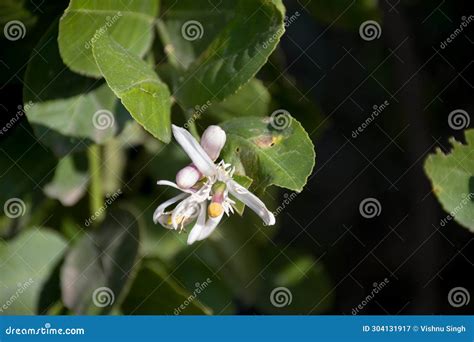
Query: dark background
[[339, 77]]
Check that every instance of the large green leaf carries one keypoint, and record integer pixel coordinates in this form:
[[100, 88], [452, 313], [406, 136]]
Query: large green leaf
[[144, 95], [452, 177], [219, 56], [270, 150], [97, 270], [24, 269], [155, 292], [129, 22], [69, 184]]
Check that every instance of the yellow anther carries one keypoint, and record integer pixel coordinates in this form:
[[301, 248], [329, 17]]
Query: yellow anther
[[215, 209]]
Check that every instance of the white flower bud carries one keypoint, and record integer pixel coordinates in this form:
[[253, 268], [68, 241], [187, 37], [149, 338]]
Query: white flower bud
[[213, 140], [187, 176]]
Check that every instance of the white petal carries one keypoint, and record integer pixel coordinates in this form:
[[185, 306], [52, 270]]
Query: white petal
[[195, 152], [196, 230], [174, 185], [187, 176], [162, 207], [213, 140], [211, 224], [251, 201]]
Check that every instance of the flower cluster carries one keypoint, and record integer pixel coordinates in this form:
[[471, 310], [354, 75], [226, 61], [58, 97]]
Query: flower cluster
[[206, 187]]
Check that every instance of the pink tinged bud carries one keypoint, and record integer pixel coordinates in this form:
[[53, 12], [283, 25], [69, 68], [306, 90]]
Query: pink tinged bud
[[188, 176], [213, 140]]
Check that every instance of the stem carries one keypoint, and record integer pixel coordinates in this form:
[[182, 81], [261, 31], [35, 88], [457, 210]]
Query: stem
[[193, 129], [96, 196]]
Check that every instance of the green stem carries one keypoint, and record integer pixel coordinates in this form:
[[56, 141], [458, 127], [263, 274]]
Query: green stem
[[96, 195], [193, 129]]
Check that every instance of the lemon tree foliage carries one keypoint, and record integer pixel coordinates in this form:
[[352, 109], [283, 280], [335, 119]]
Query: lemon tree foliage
[[452, 177]]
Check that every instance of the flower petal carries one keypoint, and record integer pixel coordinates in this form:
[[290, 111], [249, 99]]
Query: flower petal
[[195, 152], [196, 230], [174, 185], [251, 201], [162, 207], [211, 224]]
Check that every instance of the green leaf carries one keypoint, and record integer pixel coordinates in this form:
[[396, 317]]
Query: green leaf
[[155, 292], [452, 177], [24, 270], [252, 99], [97, 270], [88, 116], [144, 95], [225, 53], [130, 23], [295, 284], [270, 150], [69, 184]]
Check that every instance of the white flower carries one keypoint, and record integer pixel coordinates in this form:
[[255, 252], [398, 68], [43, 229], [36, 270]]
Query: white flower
[[205, 187]]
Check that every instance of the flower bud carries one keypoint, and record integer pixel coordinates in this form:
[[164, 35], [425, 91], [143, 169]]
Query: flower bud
[[213, 140], [187, 176]]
